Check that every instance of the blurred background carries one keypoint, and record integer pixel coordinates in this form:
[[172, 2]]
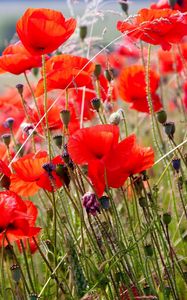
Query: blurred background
[[110, 12]]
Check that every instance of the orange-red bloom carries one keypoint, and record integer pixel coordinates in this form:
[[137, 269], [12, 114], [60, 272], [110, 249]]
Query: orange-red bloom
[[180, 5], [132, 88], [17, 218], [66, 71], [157, 26], [43, 30], [31, 175], [109, 162], [16, 59]]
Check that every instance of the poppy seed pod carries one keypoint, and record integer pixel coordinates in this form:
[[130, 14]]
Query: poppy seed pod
[[96, 103], [6, 139], [148, 250], [65, 117], [169, 129], [20, 88], [167, 218], [83, 32], [58, 140], [115, 118], [9, 122]]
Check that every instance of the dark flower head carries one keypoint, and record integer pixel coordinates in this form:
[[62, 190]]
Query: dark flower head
[[91, 203]]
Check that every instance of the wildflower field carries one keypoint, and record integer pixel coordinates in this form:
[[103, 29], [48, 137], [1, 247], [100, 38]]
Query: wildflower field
[[93, 155]]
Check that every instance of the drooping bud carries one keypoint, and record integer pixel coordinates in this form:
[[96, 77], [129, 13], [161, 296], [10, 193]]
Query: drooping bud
[[20, 88], [167, 218], [65, 117], [96, 103], [91, 203], [170, 129], [16, 273], [176, 163], [58, 140], [161, 116], [97, 70], [6, 139], [83, 32]]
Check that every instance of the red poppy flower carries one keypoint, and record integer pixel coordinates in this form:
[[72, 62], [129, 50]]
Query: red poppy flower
[[132, 88], [16, 59], [66, 71], [107, 159], [4, 175], [157, 26], [43, 30], [17, 217], [168, 62], [180, 5], [31, 175], [127, 294]]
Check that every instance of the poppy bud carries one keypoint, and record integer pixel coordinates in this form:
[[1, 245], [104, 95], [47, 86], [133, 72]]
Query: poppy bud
[[35, 71], [96, 103], [58, 140], [148, 250], [83, 32], [176, 163], [20, 88], [142, 202], [97, 70], [91, 203], [109, 74], [50, 213], [161, 116], [104, 200], [172, 3], [167, 218], [115, 118], [170, 129], [9, 122], [33, 296], [65, 117], [16, 273], [124, 6], [6, 139]]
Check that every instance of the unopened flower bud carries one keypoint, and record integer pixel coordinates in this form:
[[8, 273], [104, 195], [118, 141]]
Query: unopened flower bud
[[170, 129], [176, 163], [91, 203], [6, 139], [124, 6], [65, 117], [104, 200], [115, 118], [161, 116], [20, 88], [97, 70], [148, 250], [96, 103], [35, 71], [58, 140], [142, 202], [167, 218], [109, 74], [83, 31], [9, 122], [16, 273]]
